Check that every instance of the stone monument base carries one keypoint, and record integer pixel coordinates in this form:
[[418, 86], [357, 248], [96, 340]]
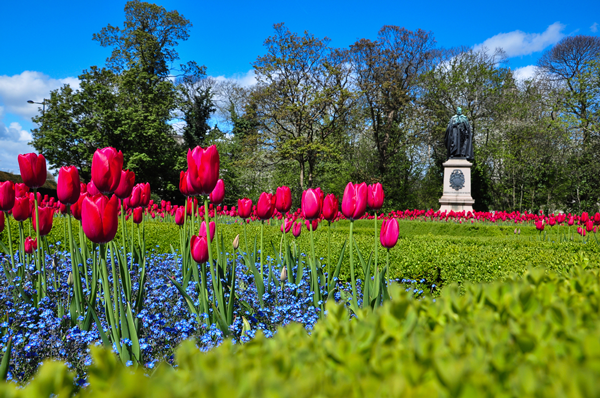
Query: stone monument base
[[457, 186]]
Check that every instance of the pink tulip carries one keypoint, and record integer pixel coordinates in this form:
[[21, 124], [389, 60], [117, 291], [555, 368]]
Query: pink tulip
[[354, 202], [389, 233]]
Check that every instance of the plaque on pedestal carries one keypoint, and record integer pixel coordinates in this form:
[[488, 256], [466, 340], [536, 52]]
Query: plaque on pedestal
[[457, 186]]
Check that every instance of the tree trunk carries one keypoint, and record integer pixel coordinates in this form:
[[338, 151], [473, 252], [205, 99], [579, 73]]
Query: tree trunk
[[302, 174]]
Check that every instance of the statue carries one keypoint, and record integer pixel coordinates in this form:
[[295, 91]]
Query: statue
[[459, 137]]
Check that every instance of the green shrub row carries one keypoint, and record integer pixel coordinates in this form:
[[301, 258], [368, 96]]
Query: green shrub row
[[536, 336], [451, 255]]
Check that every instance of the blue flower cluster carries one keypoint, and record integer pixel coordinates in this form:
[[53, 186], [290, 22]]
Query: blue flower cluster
[[47, 331]]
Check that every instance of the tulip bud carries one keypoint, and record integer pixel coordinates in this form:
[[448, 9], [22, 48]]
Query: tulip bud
[[389, 233], [354, 202], [180, 215], [138, 215], [76, 207], [203, 169], [236, 242], [330, 207], [283, 275], [33, 169], [107, 165], [218, 194], [312, 203], [21, 211], [68, 186], [375, 196], [126, 183], [46, 216], [283, 201], [211, 227], [7, 195], [297, 229], [315, 224], [265, 206], [199, 249], [70, 279], [30, 245], [244, 207], [99, 218]]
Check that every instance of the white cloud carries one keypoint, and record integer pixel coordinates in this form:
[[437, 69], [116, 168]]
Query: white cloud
[[30, 85], [518, 43], [594, 27], [13, 141], [525, 73], [247, 79]]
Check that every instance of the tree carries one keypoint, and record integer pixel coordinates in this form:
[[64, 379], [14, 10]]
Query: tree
[[301, 98], [127, 105], [386, 73], [197, 105]]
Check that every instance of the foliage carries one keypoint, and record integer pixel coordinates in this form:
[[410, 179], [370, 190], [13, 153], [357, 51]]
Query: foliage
[[531, 336]]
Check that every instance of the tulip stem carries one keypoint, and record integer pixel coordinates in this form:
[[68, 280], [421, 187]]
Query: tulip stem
[[75, 267], [40, 247], [21, 243], [376, 245], [387, 268], [245, 236], [314, 274], [123, 227], [328, 255], [352, 276], [262, 230], [10, 242]]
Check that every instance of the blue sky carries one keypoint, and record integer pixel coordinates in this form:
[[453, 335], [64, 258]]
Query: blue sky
[[44, 44]]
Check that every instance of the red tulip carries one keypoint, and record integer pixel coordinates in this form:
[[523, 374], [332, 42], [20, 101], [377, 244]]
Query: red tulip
[[315, 224], [375, 196], [571, 221], [539, 225], [589, 225], [7, 195], [184, 187], [21, 190], [312, 202], [62, 208], [179, 215], [597, 218], [91, 189], [584, 217], [126, 183], [76, 207], [138, 215], [82, 187], [145, 197], [46, 215], [265, 206], [107, 165], [30, 245], [296, 229], [286, 225], [203, 169], [68, 187], [389, 233], [99, 217], [218, 194], [211, 227], [330, 207], [244, 208], [33, 169], [199, 248], [354, 202], [140, 195], [283, 202], [21, 211]]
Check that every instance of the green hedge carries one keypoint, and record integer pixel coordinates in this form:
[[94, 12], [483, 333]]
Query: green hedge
[[439, 252], [537, 336]]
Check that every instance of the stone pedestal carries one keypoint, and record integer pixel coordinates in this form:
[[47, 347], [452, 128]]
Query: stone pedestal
[[457, 186]]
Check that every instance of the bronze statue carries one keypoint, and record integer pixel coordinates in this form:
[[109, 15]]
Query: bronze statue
[[459, 137]]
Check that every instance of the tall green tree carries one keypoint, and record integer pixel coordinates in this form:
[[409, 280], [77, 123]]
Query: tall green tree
[[302, 98], [128, 104]]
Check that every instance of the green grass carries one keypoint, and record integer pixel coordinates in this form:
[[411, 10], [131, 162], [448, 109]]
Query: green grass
[[439, 252]]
